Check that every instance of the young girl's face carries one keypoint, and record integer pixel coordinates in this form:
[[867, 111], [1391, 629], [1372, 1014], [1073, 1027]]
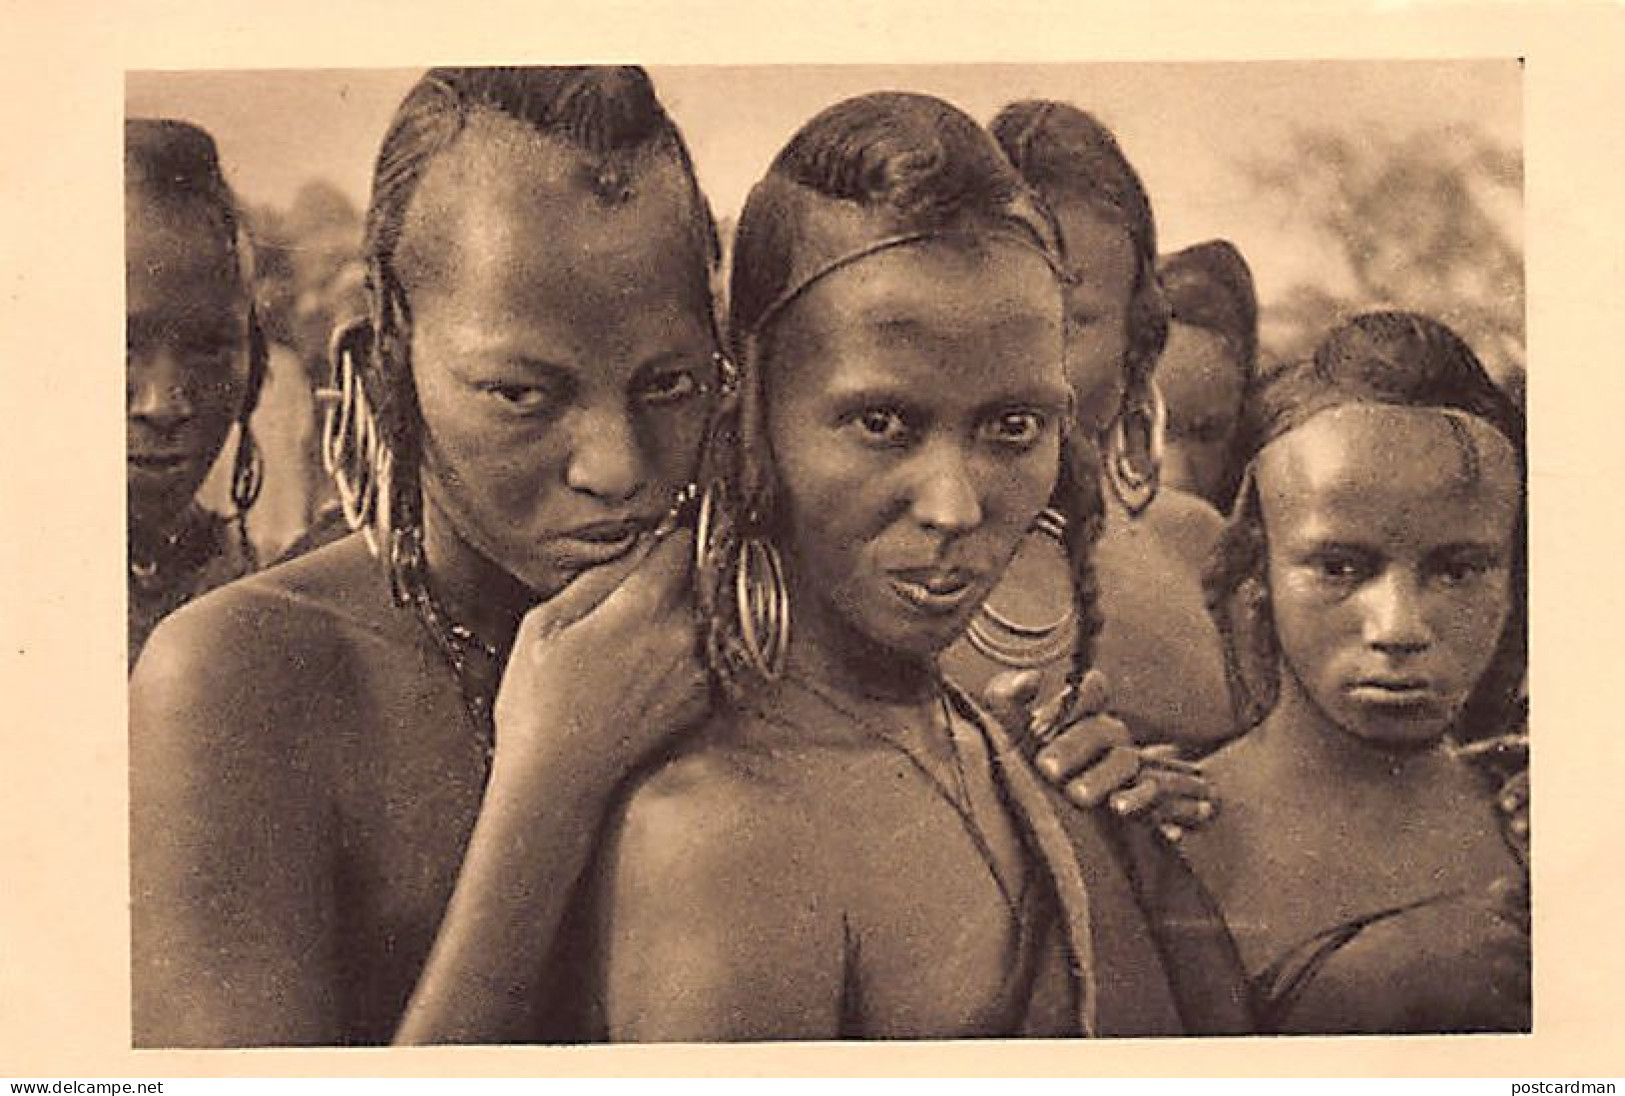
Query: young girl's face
[[186, 358], [1390, 534], [562, 350], [915, 405]]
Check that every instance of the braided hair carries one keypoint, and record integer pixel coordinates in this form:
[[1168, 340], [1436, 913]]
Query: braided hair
[[904, 164], [1395, 358]]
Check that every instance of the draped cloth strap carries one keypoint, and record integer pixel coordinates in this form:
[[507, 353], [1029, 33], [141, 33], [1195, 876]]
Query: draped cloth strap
[[1150, 953], [1277, 988], [1036, 816]]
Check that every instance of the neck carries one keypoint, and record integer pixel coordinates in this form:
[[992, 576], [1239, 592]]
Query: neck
[[1308, 743], [829, 655], [474, 590], [152, 538]]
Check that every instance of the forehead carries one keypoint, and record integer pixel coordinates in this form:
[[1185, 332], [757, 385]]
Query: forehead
[[504, 203], [980, 312], [1099, 251], [177, 263], [1197, 372], [1378, 473]]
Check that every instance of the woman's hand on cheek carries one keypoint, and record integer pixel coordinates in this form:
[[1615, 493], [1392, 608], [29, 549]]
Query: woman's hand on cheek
[[606, 672], [1090, 755]]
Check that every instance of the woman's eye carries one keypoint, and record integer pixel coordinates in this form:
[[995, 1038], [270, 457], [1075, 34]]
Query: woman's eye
[[1338, 567], [670, 387], [882, 426], [1462, 568], [521, 397], [1017, 428]]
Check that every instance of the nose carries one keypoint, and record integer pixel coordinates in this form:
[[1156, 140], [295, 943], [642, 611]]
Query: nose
[[157, 392], [1395, 617], [946, 499], [607, 458]]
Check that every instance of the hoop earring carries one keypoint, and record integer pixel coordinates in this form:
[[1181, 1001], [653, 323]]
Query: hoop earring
[[1025, 646], [1135, 485], [763, 602], [247, 469], [354, 453], [755, 628]]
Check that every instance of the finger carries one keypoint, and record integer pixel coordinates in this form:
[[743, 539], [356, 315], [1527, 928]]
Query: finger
[[1186, 813], [1113, 771], [1094, 694], [1515, 792], [585, 592], [1081, 745], [1167, 756], [658, 582], [1010, 696], [1171, 832], [1176, 785], [1136, 797]]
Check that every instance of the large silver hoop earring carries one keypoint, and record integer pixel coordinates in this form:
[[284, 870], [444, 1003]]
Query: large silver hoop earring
[[763, 602], [1135, 480], [1016, 644], [354, 453], [749, 572]]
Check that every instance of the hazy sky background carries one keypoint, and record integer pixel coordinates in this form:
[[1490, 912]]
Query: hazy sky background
[[1189, 128]]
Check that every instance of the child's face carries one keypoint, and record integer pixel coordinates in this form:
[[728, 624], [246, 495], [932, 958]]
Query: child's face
[[915, 407], [562, 350], [1390, 534], [186, 360]]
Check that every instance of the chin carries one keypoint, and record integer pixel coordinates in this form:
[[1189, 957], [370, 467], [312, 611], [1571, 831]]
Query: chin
[[1404, 733]]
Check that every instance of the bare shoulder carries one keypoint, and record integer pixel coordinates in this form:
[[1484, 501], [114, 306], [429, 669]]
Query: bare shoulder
[[256, 663]]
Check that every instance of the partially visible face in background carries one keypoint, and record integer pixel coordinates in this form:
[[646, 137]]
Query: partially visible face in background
[[186, 352], [1101, 263], [1202, 382]]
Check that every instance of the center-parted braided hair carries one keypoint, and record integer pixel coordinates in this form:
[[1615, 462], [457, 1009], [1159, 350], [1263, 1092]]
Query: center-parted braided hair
[[609, 116], [882, 167], [1395, 358]]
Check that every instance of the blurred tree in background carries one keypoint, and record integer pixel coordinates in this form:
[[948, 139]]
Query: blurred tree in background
[[1430, 224]]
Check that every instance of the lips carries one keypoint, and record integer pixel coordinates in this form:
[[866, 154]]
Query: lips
[[936, 591], [1405, 697], [158, 462], [599, 542]]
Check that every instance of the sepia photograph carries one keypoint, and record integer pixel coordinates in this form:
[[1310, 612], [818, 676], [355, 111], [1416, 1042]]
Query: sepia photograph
[[807, 553], [913, 540]]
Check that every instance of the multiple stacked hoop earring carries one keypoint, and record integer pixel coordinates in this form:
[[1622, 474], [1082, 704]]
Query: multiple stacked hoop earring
[[1026, 646], [1134, 479], [743, 596], [354, 452]]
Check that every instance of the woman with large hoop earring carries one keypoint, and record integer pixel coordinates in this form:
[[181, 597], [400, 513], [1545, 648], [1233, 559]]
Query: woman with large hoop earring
[[850, 847]]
